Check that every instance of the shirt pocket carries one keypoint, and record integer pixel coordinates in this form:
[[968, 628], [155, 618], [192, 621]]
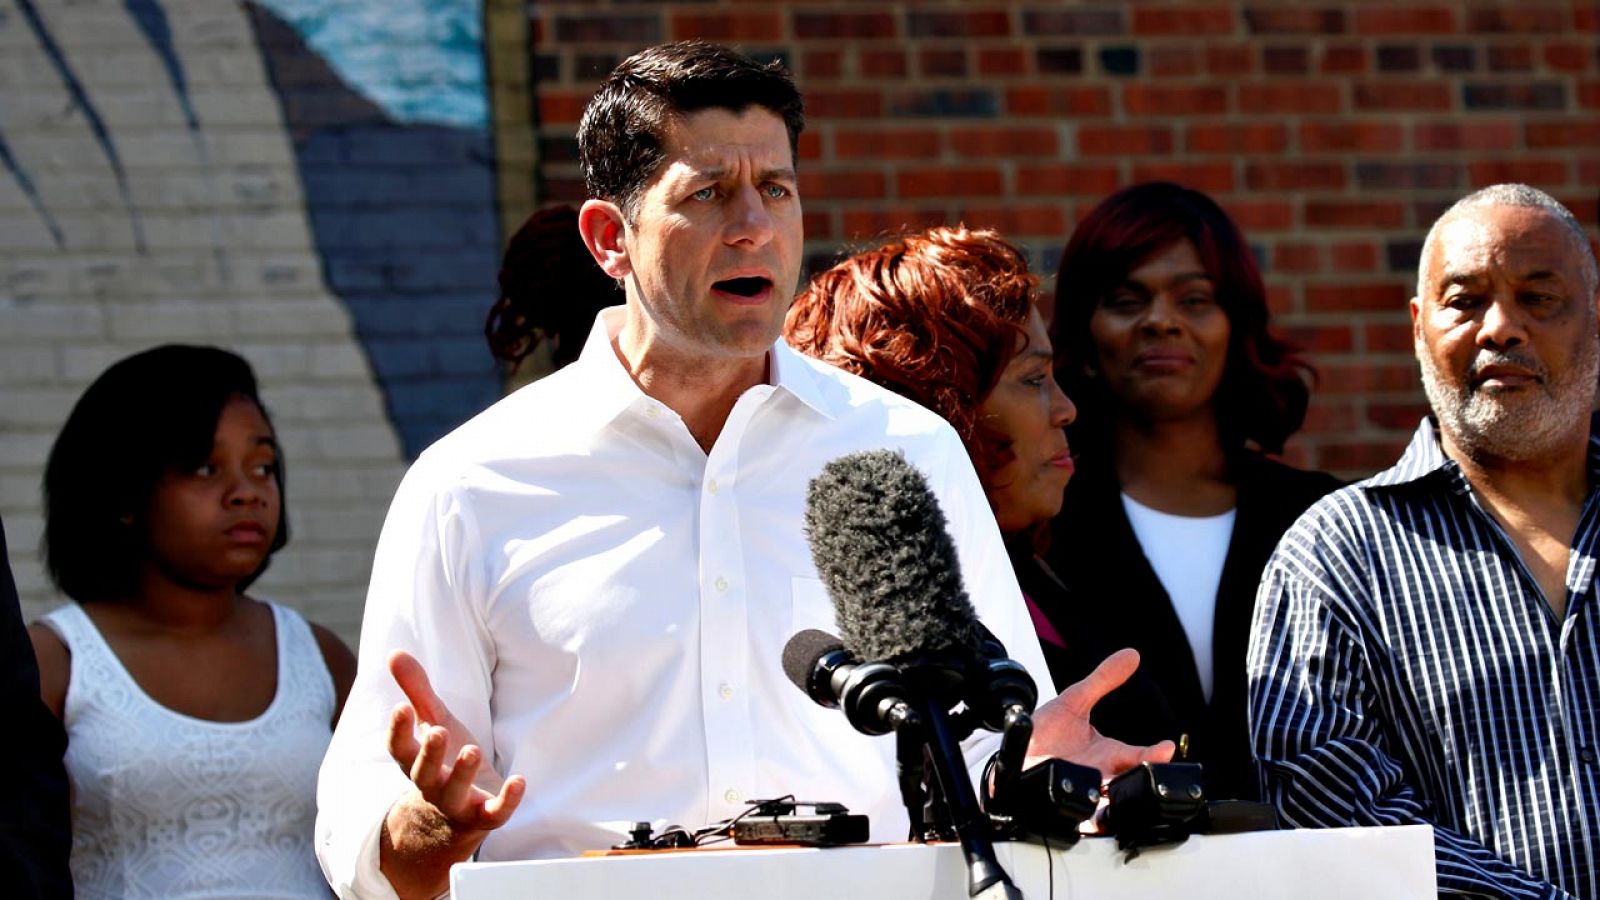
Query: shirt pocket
[[809, 607]]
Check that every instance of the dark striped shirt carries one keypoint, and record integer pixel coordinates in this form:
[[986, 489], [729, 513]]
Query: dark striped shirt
[[1405, 667]]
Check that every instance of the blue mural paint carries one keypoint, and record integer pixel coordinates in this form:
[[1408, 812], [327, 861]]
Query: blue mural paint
[[8, 160], [152, 21], [80, 99], [403, 216], [420, 61]]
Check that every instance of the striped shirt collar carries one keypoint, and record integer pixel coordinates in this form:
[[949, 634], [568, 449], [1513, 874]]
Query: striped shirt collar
[[1424, 457]]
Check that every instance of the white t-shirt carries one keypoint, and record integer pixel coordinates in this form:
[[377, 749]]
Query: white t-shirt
[[1187, 554], [605, 605]]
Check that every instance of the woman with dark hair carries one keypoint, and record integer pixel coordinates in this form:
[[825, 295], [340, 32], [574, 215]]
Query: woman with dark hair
[[550, 291], [196, 716], [1162, 338], [947, 318]]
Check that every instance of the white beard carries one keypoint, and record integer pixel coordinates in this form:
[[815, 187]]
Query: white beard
[[1514, 425]]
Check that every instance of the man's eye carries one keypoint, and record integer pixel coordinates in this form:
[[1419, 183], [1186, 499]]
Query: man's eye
[[205, 470], [776, 191], [704, 193]]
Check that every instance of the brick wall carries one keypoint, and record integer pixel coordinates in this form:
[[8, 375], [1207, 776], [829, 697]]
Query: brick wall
[[1333, 132]]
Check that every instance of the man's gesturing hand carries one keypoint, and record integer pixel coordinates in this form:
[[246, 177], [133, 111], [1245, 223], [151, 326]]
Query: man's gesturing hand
[[1062, 729], [457, 800]]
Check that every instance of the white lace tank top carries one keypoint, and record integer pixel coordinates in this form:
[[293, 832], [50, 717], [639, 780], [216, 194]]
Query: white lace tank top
[[166, 805]]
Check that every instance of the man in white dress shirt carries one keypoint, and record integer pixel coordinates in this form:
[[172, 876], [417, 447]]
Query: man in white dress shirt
[[592, 581]]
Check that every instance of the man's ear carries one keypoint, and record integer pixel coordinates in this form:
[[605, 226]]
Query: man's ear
[[1416, 322], [604, 233]]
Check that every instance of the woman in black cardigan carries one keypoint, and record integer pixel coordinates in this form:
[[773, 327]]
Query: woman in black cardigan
[[1162, 340]]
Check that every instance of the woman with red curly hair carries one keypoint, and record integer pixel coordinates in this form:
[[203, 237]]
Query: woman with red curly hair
[[1161, 331], [947, 318]]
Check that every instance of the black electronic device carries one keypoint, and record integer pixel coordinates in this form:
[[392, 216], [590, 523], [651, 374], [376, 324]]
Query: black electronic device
[[1053, 798], [1155, 803], [784, 822]]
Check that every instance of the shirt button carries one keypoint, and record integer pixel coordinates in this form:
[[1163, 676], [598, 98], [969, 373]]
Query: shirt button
[[731, 795], [712, 486], [725, 691], [652, 412], [721, 584], [1587, 755]]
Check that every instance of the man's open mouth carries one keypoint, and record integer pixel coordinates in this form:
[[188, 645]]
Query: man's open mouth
[[744, 287]]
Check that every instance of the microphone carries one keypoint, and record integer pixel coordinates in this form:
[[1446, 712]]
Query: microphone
[[872, 695], [880, 543]]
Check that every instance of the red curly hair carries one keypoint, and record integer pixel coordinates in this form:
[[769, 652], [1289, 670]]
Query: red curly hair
[[934, 316]]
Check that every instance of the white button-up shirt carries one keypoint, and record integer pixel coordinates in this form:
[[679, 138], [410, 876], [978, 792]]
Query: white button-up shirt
[[605, 606]]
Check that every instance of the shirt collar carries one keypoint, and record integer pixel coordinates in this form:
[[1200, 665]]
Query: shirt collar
[[610, 389], [1424, 457]]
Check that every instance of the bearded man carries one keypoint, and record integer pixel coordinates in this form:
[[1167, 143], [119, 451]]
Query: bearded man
[[1427, 642]]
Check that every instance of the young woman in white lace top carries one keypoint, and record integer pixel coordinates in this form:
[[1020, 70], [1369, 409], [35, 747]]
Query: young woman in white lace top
[[196, 716]]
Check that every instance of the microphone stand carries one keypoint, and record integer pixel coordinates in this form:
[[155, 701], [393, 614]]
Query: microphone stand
[[985, 877]]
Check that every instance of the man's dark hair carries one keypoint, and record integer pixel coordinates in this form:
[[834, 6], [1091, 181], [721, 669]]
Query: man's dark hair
[[150, 413], [620, 137]]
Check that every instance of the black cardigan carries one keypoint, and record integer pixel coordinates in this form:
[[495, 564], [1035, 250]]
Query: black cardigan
[[1107, 588]]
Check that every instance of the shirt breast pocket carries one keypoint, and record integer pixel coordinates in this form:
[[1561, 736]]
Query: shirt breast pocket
[[810, 607]]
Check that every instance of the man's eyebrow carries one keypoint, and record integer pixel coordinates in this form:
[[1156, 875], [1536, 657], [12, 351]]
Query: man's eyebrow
[[718, 173]]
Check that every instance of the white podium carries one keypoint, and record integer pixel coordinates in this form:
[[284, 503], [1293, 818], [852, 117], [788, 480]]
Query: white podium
[[1331, 864]]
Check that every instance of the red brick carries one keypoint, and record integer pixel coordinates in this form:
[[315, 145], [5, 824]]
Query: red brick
[[1124, 140], [810, 145], [1405, 174], [1543, 172], [841, 185], [1504, 58], [1260, 215], [1388, 337], [1356, 257], [1479, 134], [1563, 134], [1073, 21], [949, 181], [1280, 299], [1164, 100], [844, 104], [1397, 416], [1407, 19], [818, 224], [1290, 97], [640, 29], [993, 61], [1354, 461], [943, 62], [883, 64], [1185, 21], [1295, 176], [1230, 59], [1240, 139], [916, 143], [1589, 173], [853, 26], [1589, 94], [1330, 416], [1365, 376], [1346, 136], [1277, 20], [1354, 214], [1401, 96], [1586, 17], [1294, 60], [865, 223], [1523, 18], [1319, 338], [982, 23], [560, 108], [995, 141], [1063, 179], [1018, 220], [1344, 59], [1074, 102], [728, 26], [1213, 178], [820, 64], [1171, 61], [1568, 57], [1297, 258], [565, 190], [1585, 207]]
